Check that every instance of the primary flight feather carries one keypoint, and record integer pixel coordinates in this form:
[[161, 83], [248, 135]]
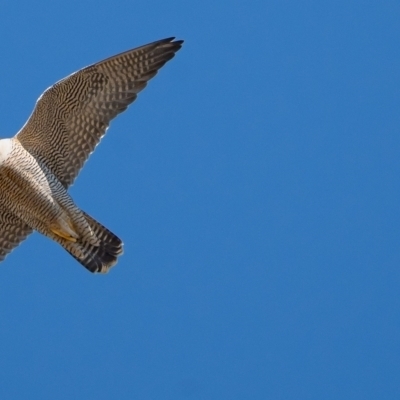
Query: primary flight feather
[[39, 164]]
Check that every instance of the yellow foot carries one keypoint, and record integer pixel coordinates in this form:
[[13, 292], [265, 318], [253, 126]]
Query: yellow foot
[[63, 234]]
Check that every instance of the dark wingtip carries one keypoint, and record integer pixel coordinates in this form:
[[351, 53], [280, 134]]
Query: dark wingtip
[[177, 43]]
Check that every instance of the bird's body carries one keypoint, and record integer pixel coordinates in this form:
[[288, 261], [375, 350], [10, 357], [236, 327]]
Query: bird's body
[[39, 164]]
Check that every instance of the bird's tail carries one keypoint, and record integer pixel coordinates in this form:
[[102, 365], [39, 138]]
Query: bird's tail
[[95, 258]]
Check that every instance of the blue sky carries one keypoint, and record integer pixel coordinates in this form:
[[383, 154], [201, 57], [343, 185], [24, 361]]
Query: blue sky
[[256, 185]]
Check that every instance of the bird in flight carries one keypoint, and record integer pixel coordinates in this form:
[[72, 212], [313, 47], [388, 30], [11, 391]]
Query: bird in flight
[[40, 163]]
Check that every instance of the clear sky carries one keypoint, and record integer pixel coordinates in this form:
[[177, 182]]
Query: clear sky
[[256, 186]]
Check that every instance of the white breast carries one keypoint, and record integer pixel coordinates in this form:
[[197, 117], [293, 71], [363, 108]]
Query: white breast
[[5, 149]]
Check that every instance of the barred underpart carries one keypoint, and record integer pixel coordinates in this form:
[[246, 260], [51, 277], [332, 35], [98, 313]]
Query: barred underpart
[[39, 164]]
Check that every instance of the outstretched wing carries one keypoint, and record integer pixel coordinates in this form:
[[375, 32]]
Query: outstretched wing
[[12, 232], [72, 116]]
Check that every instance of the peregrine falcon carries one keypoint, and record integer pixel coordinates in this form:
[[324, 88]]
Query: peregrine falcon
[[40, 163]]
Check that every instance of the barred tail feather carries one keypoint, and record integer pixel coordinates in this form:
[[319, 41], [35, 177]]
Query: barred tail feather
[[96, 258]]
